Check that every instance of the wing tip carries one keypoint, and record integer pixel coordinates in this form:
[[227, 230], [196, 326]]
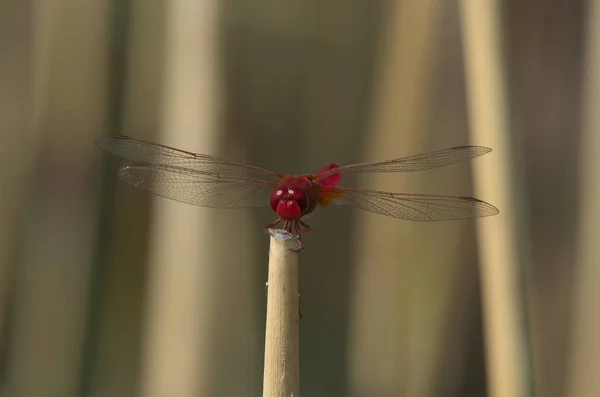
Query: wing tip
[[484, 209], [478, 150]]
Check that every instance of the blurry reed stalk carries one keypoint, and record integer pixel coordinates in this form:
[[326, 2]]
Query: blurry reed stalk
[[501, 257], [282, 361], [381, 347], [179, 340], [582, 379]]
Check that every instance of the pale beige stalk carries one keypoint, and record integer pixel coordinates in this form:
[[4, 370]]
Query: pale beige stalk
[[387, 251], [582, 378], [53, 84], [501, 258], [179, 332], [282, 374]]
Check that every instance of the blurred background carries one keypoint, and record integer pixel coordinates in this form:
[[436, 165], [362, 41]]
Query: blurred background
[[106, 290]]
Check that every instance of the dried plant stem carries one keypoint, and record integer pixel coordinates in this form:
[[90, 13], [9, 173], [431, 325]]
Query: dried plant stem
[[281, 375], [584, 360], [181, 312], [503, 241]]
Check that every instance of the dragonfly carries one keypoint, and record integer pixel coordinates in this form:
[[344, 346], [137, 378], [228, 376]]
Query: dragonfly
[[210, 181]]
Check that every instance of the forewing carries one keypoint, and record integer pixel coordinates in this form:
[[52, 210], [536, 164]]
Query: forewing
[[419, 162], [413, 207], [202, 189], [147, 152]]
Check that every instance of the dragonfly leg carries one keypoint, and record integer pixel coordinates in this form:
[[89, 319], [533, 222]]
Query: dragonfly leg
[[270, 225], [306, 229], [300, 246], [294, 228]]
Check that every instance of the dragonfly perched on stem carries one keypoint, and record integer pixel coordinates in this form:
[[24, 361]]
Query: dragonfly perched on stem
[[209, 181]]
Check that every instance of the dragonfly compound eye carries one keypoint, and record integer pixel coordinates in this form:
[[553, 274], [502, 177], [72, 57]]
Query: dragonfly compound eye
[[299, 196], [276, 196]]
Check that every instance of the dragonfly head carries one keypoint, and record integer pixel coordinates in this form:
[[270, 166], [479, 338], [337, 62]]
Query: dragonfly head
[[289, 202]]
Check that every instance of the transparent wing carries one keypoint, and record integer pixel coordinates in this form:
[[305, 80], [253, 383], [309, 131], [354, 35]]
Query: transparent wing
[[202, 189], [414, 207], [189, 177], [147, 152], [419, 162]]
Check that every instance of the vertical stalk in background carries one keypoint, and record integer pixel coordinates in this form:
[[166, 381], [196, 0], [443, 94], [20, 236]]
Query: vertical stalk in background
[[582, 378], [380, 348], [17, 28], [502, 238], [282, 355], [53, 260], [179, 332]]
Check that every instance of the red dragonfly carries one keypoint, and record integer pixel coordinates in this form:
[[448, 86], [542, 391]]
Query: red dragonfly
[[209, 181]]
